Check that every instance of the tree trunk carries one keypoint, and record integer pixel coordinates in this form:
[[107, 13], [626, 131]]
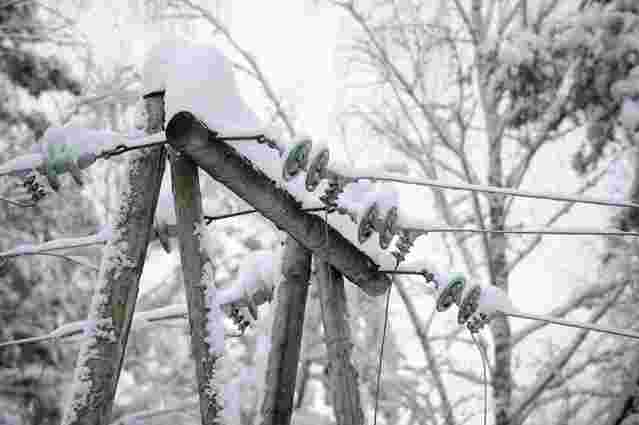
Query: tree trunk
[[100, 359], [286, 335], [188, 211], [342, 374], [499, 326]]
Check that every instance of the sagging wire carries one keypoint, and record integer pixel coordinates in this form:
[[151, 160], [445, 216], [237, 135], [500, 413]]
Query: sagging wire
[[484, 366], [381, 355], [66, 159], [208, 219], [454, 292], [498, 191]]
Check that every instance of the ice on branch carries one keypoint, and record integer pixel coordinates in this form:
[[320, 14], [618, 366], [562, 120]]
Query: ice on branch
[[60, 244]]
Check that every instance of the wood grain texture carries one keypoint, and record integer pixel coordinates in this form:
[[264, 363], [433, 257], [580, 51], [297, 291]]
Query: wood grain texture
[[188, 211], [286, 335], [100, 359], [343, 377]]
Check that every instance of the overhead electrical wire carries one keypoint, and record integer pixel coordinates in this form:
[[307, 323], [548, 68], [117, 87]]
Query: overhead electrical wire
[[498, 191]]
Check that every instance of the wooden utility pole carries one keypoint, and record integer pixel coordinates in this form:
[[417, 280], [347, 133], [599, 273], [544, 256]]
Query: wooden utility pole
[[337, 334], [286, 335], [188, 212], [100, 359], [225, 165]]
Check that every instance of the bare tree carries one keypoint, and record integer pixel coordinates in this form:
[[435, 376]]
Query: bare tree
[[486, 85]]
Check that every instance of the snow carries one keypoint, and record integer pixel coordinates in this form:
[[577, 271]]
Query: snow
[[259, 273], [199, 79], [629, 115], [617, 180], [232, 402], [214, 315], [494, 299], [63, 144], [83, 141], [60, 244], [207, 243], [165, 210], [22, 164]]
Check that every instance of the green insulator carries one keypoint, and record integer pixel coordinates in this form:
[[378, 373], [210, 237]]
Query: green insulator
[[451, 293]]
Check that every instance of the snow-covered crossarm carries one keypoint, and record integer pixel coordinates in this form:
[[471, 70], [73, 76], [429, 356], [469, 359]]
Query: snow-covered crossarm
[[257, 186]]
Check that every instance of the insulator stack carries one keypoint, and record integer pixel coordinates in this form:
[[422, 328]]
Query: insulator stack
[[238, 318], [405, 243], [333, 190], [296, 159], [455, 291], [388, 228], [34, 188], [367, 223], [317, 170], [450, 293], [469, 304]]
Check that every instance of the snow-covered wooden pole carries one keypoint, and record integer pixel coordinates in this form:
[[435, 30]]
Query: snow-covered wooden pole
[[224, 164], [188, 211], [100, 359], [286, 335], [342, 375]]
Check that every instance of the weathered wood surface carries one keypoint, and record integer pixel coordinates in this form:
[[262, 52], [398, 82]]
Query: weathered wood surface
[[345, 395], [286, 335], [225, 165], [188, 212], [100, 359]]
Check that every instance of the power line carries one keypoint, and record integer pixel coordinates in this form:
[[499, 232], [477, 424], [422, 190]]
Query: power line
[[529, 231], [573, 324], [498, 190]]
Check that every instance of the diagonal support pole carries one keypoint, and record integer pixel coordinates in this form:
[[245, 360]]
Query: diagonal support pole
[[286, 335], [100, 359], [343, 376], [224, 164], [188, 211]]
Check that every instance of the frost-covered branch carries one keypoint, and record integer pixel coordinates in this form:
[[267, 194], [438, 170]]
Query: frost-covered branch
[[521, 410], [589, 293], [140, 417], [59, 245], [431, 363]]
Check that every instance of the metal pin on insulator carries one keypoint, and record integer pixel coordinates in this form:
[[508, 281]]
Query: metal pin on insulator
[[366, 225], [405, 243], [469, 304], [296, 159], [317, 170], [34, 188], [329, 198], [477, 322], [388, 228]]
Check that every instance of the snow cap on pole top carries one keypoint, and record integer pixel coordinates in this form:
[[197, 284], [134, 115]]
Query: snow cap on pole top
[[201, 80]]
